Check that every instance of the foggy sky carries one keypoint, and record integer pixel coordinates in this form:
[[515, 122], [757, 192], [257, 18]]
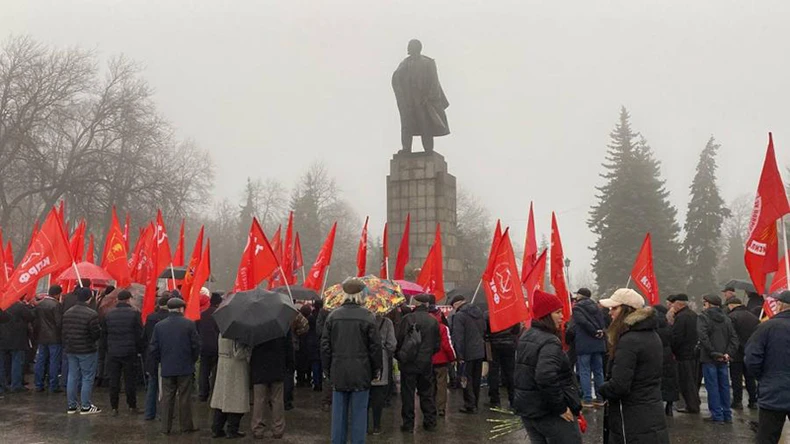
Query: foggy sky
[[534, 89]]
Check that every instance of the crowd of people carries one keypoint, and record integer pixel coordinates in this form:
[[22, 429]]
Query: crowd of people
[[638, 363]]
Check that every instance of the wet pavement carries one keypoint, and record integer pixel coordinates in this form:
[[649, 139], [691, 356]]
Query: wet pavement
[[42, 418]]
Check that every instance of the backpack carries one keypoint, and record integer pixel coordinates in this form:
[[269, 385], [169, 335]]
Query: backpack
[[411, 345]]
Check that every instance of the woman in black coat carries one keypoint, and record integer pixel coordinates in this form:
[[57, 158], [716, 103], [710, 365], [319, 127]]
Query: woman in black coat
[[546, 395], [633, 386], [669, 375]]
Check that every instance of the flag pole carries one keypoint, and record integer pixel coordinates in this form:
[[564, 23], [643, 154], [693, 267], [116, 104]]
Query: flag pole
[[476, 290], [787, 262], [326, 276], [173, 276], [303, 276], [387, 266], [287, 287], [79, 279]]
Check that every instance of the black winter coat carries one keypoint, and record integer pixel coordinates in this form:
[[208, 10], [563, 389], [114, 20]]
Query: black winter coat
[[468, 332], [589, 320], [122, 331], [270, 360], [81, 329], [755, 304], [209, 332], [148, 333], [176, 345], [768, 360], [430, 343], [684, 335], [351, 348], [49, 321], [745, 323], [311, 340], [716, 334], [633, 386], [669, 375], [14, 332], [505, 339], [543, 380]]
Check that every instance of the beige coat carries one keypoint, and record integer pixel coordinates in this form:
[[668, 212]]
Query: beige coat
[[232, 387]]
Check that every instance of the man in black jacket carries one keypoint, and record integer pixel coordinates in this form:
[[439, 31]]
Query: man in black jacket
[[176, 346], [351, 358], [209, 337], [122, 332], [417, 374], [47, 327], [745, 323], [503, 362], [14, 343], [718, 342], [151, 369], [590, 342], [269, 366], [468, 331], [81, 330], [684, 342]]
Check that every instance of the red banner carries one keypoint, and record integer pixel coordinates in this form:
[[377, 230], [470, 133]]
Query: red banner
[[643, 274], [315, 279], [506, 304], [431, 276], [403, 251], [558, 271]]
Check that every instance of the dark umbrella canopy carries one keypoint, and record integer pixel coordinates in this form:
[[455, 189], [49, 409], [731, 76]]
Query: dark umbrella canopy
[[739, 284], [299, 293], [256, 316], [177, 273]]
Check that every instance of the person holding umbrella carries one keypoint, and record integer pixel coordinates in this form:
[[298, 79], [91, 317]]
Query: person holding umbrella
[[351, 357]]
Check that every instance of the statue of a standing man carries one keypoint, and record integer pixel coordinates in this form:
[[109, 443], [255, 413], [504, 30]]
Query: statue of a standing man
[[421, 101]]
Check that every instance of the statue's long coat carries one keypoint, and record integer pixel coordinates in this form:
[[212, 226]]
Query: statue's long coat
[[421, 101]]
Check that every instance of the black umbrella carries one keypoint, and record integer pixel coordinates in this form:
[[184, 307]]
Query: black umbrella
[[299, 293], [739, 284], [178, 273], [256, 316]]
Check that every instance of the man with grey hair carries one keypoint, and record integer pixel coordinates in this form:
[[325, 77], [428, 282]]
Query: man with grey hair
[[766, 357]]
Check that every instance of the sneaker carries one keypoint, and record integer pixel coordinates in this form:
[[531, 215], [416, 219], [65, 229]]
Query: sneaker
[[90, 411], [72, 410]]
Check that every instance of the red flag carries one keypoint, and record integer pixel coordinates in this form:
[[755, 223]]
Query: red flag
[[77, 242], [146, 268], [277, 247], [770, 204], [362, 250], [162, 257], [288, 252], [492, 250], [33, 234], [89, 255], [114, 255], [403, 251], [506, 305], [178, 256], [202, 274], [298, 259], [536, 279], [385, 254], [4, 272], [530, 247], [62, 213], [9, 258], [779, 282], [643, 273], [126, 231], [431, 276], [315, 280], [194, 262], [48, 252], [557, 270], [134, 259], [258, 261]]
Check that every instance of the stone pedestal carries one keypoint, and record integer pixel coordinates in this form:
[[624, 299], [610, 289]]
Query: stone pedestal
[[419, 184]]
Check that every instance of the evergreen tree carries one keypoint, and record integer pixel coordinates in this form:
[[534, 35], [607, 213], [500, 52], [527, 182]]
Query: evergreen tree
[[732, 267], [704, 219], [631, 203]]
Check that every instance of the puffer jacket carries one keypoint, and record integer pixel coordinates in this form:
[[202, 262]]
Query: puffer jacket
[[588, 318], [684, 335], [505, 339], [430, 343], [745, 323], [122, 331], [49, 321], [14, 332], [468, 330], [446, 353], [81, 329], [351, 348], [716, 335], [544, 382], [633, 386]]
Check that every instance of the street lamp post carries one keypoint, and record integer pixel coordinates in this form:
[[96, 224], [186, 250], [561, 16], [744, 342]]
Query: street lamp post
[[568, 272]]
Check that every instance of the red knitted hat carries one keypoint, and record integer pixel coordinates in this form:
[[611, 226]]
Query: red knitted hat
[[545, 303]]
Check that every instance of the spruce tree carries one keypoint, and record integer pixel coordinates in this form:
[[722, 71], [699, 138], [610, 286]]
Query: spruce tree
[[631, 203], [704, 219]]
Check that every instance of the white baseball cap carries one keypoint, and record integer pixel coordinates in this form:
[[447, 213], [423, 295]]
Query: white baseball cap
[[624, 296]]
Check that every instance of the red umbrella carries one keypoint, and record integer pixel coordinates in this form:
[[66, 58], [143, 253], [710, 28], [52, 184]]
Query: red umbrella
[[410, 288], [87, 270]]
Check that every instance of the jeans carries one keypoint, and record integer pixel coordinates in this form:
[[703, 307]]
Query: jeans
[[82, 367], [17, 358], [552, 429], [318, 377], [349, 411], [48, 359], [151, 395], [587, 364], [769, 430], [717, 383]]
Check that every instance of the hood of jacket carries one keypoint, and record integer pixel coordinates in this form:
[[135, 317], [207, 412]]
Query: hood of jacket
[[715, 314], [642, 319], [473, 311]]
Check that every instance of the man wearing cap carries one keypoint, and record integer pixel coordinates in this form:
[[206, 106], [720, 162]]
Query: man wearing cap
[[718, 342], [468, 331], [417, 374], [590, 344], [48, 325], [151, 368], [727, 293], [767, 358], [745, 323], [683, 343], [176, 346], [81, 330], [122, 338]]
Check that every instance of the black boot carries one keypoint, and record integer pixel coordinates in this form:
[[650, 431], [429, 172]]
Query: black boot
[[668, 409]]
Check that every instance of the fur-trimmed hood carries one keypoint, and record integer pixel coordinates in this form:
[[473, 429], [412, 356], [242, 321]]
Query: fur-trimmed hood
[[642, 319]]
